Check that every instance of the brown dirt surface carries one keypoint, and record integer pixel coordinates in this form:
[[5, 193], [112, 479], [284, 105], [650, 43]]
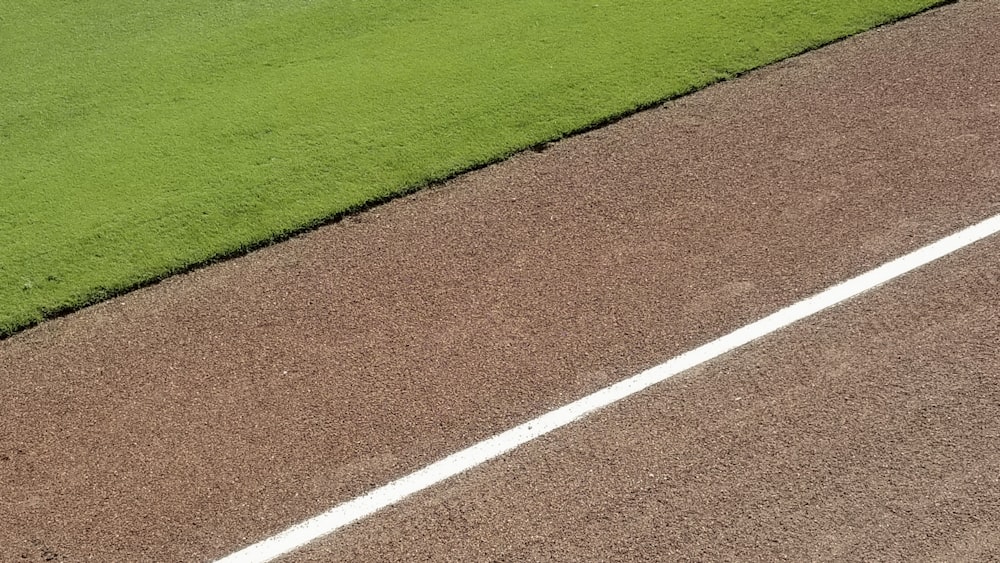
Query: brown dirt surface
[[188, 419], [867, 433]]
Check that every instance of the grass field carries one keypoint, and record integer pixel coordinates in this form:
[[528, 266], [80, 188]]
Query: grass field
[[140, 138]]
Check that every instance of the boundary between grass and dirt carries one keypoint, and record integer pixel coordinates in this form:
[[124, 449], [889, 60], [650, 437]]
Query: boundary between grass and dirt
[[105, 293]]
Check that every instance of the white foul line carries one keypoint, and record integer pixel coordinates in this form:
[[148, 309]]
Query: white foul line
[[387, 495]]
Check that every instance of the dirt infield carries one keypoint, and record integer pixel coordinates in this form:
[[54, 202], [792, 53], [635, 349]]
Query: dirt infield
[[866, 434], [188, 419]]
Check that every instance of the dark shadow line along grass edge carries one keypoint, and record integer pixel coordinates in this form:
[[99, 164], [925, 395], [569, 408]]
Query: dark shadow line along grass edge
[[100, 295]]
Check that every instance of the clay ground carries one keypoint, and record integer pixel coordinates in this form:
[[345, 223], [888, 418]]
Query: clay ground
[[192, 418]]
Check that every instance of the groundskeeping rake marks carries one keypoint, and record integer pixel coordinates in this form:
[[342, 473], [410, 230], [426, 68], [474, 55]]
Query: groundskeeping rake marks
[[367, 504]]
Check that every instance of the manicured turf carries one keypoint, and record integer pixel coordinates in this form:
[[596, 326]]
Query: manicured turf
[[138, 138]]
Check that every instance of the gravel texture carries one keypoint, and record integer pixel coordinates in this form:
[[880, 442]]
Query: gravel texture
[[190, 418]]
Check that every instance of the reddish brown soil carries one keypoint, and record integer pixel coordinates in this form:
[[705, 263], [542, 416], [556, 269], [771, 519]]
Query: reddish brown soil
[[191, 418], [869, 433]]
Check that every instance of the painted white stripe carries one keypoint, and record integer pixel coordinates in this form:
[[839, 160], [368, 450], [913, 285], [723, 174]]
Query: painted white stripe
[[387, 495]]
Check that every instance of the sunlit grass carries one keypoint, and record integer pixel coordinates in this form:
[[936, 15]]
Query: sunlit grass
[[138, 138]]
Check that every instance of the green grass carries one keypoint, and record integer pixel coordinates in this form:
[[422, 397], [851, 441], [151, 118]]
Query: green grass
[[140, 138]]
